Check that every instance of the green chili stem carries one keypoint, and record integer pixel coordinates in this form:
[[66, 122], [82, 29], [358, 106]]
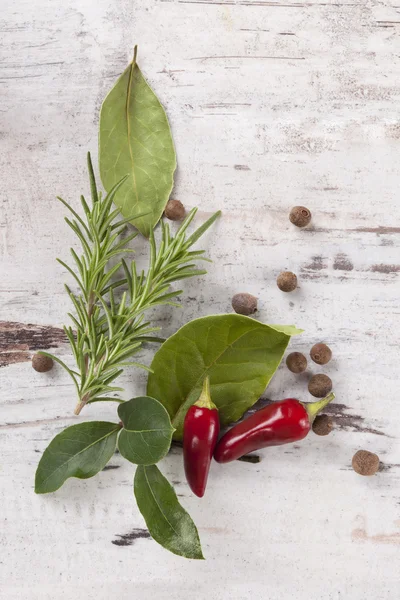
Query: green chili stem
[[313, 408]]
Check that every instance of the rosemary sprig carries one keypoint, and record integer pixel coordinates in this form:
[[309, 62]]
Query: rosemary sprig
[[107, 331]]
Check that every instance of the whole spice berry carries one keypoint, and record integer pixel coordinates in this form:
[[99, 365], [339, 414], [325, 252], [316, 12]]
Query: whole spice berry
[[244, 304], [278, 423], [175, 211], [365, 463], [322, 425], [287, 281], [320, 385], [321, 354], [296, 362], [300, 216], [42, 363]]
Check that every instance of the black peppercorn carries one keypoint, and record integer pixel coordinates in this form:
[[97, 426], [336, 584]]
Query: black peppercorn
[[287, 281], [321, 354], [320, 385], [300, 216], [322, 425], [42, 363], [296, 362], [244, 304], [175, 211], [365, 463]]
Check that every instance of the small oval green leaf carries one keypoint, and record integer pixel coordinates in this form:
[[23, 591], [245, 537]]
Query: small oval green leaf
[[147, 433], [167, 521], [79, 451], [135, 140], [239, 354]]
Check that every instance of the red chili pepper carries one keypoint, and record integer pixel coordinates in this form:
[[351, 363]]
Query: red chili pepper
[[200, 436], [278, 423]]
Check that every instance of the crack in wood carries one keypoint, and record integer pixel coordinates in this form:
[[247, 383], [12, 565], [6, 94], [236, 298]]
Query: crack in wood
[[127, 539], [247, 57], [37, 422], [260, 4], [380, 230]]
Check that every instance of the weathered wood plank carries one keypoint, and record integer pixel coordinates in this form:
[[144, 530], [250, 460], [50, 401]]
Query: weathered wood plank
[[272, 104]]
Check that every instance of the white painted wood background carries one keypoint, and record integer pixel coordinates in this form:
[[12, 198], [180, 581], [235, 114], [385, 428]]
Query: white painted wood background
[[271, 104]]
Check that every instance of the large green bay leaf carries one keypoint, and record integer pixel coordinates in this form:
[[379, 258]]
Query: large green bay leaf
[[79, 451], [239, 354], [167, 521], [147, 433], [135, 140]]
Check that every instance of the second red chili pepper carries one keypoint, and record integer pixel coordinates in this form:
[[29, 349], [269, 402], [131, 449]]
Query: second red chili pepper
[[278, 423], [200, 436]]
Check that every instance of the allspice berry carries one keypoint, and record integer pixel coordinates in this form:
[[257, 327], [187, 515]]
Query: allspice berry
[[42, 363], [300, 216], [365, 463], [287, 281], [244, 304], [323, 425], [321, 354], [175, 211], [296, 362], [320, 385]]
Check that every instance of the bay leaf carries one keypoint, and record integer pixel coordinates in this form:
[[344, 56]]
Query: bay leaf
[[135, 140], [79, 451], [147, 433], [239, 354], [167, 521]]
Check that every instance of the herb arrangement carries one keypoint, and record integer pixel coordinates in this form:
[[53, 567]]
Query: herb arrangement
[[205, 376]]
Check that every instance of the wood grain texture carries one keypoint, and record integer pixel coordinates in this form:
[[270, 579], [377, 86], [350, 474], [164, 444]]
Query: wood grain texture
[[271, 104]]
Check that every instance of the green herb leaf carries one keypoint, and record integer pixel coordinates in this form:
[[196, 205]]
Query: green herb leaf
[[135, 140], [167, 521], [239, 354], [147, 433], [79, 451]]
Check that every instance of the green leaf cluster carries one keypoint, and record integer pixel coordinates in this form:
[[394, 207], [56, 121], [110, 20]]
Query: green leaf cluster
[[143, 438], [108, 329], [240, 355]]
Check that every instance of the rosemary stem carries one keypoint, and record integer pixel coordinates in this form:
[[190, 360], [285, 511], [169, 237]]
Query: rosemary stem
[[109, 331]]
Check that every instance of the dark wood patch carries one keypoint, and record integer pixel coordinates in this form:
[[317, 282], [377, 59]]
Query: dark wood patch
[[342, 263], [313, 269], [316, 264], [127, 539], [387, 269], [384, 467], [250, 458], [380, 230], [348, 422], [17, 340]]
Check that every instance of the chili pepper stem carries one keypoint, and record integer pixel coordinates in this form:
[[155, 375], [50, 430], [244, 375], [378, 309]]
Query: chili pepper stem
[[313, 408], [204, 400]]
